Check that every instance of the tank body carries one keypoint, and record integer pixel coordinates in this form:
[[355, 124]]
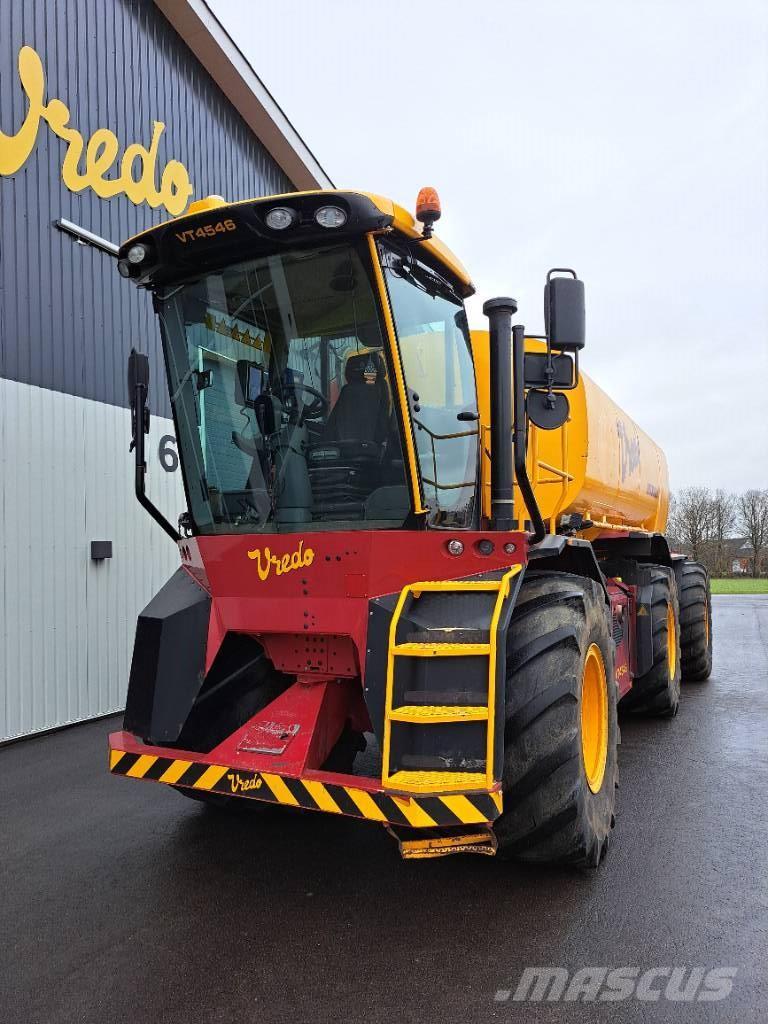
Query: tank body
[[599, 464]]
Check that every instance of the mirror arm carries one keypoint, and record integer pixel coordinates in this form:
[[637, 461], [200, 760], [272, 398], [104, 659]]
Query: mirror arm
[[520, 434], [140, 427]]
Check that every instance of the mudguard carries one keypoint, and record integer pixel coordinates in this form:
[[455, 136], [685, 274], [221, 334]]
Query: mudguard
[[168, 665]]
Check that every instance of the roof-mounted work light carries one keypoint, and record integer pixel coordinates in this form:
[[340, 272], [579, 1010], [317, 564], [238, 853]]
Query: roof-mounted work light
[[331, 217], [281, 217]]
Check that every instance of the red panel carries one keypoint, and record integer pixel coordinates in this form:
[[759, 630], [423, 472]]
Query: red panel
[[295, 732], [317, 585], [322, 565], [622, 606], [310, 654]]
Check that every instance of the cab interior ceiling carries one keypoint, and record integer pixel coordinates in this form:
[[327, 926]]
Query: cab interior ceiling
[[282, 299]]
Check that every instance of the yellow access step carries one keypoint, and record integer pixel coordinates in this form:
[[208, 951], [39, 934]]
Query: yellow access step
[[455, 586], [436, 782], [439, 650], [424, 714]]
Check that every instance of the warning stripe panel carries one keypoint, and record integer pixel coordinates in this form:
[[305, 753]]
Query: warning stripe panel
[[418, 812]]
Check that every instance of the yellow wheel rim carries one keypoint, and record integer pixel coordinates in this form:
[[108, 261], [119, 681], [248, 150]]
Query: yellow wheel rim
[[671, 642], [594, 718]]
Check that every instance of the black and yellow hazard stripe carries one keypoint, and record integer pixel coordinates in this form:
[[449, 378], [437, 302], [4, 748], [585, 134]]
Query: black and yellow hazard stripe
[[414, 811]]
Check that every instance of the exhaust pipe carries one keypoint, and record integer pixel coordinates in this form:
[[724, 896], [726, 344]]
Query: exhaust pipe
[[508, 436], [499, 312]]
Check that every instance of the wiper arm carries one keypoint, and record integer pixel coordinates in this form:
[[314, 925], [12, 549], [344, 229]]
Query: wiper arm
[[426, 279]]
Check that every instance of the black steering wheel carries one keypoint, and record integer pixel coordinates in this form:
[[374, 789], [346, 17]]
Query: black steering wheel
[[312, 410]]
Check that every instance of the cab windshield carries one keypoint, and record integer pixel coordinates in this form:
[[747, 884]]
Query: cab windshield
[[282, 396]]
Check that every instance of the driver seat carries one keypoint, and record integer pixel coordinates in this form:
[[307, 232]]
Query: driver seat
[[361, 412]]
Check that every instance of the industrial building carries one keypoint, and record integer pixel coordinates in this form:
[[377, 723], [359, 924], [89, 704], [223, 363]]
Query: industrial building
[[113, 116]]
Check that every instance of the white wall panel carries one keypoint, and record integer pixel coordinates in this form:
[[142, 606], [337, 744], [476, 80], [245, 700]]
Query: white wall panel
[[67, 623]]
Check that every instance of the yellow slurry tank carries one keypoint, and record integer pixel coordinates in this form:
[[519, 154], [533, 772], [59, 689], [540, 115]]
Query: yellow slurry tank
[[599, 464]]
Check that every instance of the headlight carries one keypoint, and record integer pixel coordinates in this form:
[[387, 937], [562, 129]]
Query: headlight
[[330, 217], [123, 268], [136, 253], [280, 217]]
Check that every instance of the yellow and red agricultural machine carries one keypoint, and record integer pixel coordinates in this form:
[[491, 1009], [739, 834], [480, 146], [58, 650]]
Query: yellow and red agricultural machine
[[442, 543]]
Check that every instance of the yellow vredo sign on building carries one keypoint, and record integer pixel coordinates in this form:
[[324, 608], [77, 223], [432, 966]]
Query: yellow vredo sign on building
[[100, 152]]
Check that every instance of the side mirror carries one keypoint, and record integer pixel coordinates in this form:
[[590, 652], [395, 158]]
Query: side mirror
[[138, 373], [564, 311], [138, 390]]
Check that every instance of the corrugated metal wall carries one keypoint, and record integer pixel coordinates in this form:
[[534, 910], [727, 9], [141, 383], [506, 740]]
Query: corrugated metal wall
[[68, 622], [67, 322], [116, 64]]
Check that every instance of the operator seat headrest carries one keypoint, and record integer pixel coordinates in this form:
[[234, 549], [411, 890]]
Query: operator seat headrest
[[365, 368]]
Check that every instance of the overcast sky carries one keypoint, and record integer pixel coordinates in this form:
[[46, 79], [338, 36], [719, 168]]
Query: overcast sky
[[627, 140]]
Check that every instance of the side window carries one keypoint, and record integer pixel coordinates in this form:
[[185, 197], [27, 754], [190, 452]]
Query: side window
[[433, 338]]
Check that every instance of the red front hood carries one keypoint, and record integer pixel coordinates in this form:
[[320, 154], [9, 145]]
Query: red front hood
[[320, 583]]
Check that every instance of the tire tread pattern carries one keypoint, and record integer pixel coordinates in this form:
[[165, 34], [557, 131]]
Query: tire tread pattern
[[551, 815], [695, 622]]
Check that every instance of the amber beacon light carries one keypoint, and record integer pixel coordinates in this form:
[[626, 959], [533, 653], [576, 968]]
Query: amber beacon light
[[428, 209]]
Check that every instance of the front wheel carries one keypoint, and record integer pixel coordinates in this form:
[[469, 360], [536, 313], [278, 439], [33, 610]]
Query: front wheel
[[560, 757]]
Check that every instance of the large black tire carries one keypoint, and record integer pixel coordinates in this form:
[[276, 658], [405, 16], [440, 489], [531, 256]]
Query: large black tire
[[553, 814], [658, 691], [695, 622]]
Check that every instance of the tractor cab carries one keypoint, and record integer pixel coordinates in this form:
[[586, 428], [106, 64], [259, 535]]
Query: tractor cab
[[319, 365]]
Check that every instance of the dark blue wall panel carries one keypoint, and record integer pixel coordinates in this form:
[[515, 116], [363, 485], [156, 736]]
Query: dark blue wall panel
[[67, 320]]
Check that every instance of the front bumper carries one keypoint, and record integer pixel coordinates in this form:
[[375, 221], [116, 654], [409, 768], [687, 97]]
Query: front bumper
[[350, 795]]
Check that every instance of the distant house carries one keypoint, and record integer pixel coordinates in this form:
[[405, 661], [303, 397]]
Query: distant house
[[740, 551]]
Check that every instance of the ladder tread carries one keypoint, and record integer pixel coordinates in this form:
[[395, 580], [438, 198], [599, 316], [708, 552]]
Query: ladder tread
[[452, 586], [462, 698], [449, 635], [425, 714], [426, 781], [424, 650]]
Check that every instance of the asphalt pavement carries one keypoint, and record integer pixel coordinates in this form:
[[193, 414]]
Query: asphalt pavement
[[122, 901]]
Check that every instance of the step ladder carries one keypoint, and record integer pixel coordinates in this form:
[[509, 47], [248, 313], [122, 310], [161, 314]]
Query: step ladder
[[429, 715]]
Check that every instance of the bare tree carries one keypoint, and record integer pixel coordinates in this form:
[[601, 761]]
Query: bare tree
[[692, 520], [722, 523], [753, 520]]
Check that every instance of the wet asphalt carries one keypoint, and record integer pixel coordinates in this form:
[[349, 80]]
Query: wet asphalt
[[122, 901]]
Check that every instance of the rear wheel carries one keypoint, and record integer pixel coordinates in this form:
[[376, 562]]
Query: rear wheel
[[658, 691], [695, 622], [560, 763]]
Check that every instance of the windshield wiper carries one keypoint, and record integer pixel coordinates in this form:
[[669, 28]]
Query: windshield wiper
[[428, 280]]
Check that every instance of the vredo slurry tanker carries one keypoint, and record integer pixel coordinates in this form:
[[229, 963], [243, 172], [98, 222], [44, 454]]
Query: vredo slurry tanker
[[451, 541]]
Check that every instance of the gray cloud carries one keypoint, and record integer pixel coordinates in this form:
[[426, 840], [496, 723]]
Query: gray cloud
[[626, 140]]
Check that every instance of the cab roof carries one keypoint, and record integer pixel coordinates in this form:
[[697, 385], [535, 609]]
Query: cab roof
[[368, 211]]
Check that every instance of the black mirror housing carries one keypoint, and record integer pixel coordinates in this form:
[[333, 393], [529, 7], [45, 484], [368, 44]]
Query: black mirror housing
[[138, 373], [564, 311], [138, 391]]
